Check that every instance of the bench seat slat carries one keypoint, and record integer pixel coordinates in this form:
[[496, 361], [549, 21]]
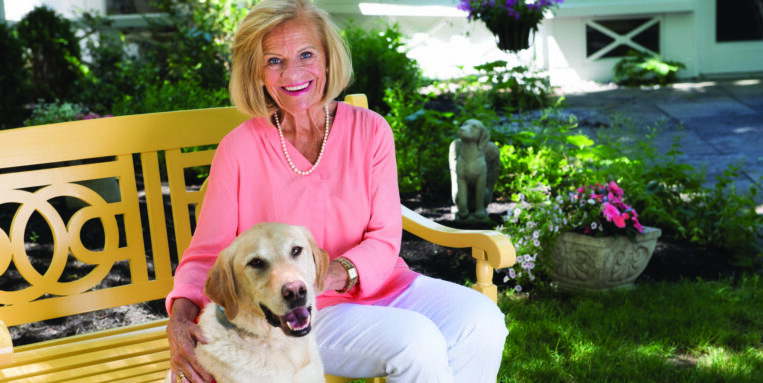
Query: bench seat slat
[[120, 338], [151, 377], [120, 368], [87, 358], [152, 327]]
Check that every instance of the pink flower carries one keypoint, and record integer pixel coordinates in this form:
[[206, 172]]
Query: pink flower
[[609, 211], [620, 220], [615, 189], [613, 215]]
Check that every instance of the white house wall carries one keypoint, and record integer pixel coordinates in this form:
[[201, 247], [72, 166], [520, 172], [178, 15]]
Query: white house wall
[[687, 35], [565, 37], [14, 10]]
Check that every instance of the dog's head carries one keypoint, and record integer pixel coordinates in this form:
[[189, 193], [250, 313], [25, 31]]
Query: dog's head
[[270, 272], [474, 131]]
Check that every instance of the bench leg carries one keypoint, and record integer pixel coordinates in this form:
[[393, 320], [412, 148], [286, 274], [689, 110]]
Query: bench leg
[[484, 276]]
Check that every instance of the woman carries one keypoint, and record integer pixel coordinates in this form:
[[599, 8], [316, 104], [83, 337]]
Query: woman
[[308, 160]]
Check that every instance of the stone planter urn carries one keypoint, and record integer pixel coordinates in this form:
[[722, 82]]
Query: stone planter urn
[[583, 262]]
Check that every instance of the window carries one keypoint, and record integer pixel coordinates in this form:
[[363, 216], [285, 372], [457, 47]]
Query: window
[[738, 20], [129, 7], [616, 37]]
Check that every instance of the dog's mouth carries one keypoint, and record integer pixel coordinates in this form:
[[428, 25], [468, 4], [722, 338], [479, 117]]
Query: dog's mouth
[[296, 322]]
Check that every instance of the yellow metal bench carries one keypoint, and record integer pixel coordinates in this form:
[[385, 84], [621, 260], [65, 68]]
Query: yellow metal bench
[[39, 165]]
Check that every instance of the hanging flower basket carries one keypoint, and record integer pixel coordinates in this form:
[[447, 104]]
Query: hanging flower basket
[[512, 35], [511, 21]]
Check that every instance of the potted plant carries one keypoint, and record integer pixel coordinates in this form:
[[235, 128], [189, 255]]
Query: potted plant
[[588, 240], [511, 21], [606, 247], [532, 224]]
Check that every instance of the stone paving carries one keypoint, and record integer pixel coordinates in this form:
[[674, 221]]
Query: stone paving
[[720, 122]]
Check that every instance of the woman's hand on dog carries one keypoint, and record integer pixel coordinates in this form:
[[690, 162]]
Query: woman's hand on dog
[[183, 335]]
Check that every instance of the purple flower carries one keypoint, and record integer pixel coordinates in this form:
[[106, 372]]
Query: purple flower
[[531, 10]]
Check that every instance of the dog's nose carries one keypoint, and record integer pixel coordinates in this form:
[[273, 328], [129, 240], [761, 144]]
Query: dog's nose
[[294, 292]]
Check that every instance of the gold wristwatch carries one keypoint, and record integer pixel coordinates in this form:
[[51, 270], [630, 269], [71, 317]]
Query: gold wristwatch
[[352, 273]]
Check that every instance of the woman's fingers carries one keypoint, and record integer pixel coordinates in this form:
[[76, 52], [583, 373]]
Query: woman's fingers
[[183, 337]]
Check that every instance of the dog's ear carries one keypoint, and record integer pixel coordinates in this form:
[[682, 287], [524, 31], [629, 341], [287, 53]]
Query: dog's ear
[[484, 135], [321, 259], [321, 267], [221, 284]]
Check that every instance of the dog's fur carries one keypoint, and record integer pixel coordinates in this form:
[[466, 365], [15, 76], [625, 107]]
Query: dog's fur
[[474, 166], [266, 283]]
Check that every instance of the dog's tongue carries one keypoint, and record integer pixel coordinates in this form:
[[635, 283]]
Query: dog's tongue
[[297, 319]]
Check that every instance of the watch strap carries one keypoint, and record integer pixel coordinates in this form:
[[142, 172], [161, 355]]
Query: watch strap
[[352, 273]]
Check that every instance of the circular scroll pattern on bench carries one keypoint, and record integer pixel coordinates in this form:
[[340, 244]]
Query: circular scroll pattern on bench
[[64, 239], [5, 258]]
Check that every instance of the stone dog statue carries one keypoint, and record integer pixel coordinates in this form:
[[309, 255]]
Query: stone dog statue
[[474, 166]]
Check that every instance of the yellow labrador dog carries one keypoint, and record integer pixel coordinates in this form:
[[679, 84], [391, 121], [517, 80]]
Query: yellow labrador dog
[[263, 289]]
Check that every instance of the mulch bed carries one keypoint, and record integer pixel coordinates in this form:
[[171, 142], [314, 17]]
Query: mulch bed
[[671, 261]]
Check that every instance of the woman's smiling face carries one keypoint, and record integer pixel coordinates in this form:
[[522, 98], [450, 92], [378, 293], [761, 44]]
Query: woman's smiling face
[[295, 65]]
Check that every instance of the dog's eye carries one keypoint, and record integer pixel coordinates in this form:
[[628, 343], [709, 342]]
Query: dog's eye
[[257, 263], [296, 251]]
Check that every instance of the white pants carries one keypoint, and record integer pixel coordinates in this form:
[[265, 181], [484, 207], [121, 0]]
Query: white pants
[[435, 331]]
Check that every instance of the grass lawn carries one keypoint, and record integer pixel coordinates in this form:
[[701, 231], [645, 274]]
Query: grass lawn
[[689, 331]]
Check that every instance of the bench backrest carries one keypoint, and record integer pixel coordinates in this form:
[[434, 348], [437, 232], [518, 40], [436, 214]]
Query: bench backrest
[[44, 168]]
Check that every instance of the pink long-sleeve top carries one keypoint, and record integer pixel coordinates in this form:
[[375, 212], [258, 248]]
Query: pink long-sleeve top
[[350, 203]]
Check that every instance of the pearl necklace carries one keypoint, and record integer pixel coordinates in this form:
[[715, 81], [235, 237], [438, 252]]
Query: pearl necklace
[[320, 154]]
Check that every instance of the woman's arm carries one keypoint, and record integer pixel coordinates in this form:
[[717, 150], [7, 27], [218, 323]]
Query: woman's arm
[[377, 255]]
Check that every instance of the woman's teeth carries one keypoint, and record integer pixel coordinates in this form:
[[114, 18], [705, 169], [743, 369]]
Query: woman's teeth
[[297, 87]]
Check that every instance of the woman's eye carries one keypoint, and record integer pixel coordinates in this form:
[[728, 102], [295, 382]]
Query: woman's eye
[[306, 55], [274, 61]]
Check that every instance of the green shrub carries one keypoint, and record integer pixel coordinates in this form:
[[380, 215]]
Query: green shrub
[[187, 93], [53, 53], [111, 72], [196, 37], [14, 79], [720, 217], [56, 111], [546, 151], [380, 63], [189, 48], [505, 89], [641, 68], [516, 88], [670, 195], [422, 138]]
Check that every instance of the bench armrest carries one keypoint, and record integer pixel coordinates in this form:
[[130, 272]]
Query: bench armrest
[[491, 249]]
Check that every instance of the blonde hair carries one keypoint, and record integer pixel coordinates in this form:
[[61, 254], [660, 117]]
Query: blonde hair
[[246, 86]]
